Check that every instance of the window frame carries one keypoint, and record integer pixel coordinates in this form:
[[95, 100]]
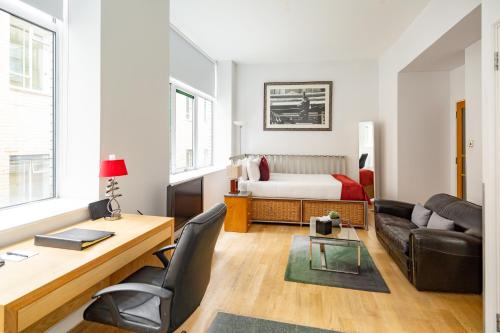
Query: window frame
[[183, 88], [42, 20]]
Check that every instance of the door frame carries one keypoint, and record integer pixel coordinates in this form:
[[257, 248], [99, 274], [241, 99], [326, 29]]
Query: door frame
[[460, 160]]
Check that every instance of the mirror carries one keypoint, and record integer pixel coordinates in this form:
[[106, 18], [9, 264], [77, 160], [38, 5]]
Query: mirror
[[367, 157]]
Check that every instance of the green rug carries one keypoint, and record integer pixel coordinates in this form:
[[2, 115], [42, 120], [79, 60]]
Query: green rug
[[229, 323], [298, 270]]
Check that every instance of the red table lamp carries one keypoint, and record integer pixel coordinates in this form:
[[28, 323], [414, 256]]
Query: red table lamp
[[113, 168]]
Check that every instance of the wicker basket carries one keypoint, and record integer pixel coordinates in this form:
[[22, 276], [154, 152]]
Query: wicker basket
[[354, 211], [279, 210], [298, 210]]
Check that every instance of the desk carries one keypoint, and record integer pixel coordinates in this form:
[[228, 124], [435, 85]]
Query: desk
[[40, 291]]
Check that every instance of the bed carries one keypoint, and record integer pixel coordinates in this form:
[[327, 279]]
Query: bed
[[301, 186]]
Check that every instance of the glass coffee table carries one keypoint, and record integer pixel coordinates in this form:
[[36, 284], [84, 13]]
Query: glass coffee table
[[344, 236]]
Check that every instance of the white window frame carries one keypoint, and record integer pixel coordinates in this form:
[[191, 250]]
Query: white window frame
[[174, 86], [37, 17]]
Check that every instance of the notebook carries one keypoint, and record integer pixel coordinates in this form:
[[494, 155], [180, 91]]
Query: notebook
[[73, 239]]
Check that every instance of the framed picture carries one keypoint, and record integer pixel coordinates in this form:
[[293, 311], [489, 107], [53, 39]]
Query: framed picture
[[298, 106]]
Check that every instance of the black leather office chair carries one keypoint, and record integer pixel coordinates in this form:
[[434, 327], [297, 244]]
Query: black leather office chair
[[362, 160], [155, 299]]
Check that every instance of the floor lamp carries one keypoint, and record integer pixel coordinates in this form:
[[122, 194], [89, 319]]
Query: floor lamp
[[240, 124]]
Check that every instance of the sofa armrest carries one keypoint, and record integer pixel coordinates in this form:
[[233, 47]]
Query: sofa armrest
[[446, 241], [395, 208], [444, 260]]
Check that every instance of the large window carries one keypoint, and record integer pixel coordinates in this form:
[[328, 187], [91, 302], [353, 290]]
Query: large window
[[27, 111], [192, 130]]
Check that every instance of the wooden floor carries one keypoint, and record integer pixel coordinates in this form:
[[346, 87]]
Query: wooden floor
[[248, 279]]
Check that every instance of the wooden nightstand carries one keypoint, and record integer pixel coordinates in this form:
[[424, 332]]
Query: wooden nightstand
[[238, 212]]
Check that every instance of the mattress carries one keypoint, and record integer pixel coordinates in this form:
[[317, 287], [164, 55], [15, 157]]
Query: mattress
[[298, 186]]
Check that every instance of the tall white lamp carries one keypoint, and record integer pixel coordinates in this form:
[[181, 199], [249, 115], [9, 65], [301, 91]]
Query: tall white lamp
[[240, 124]]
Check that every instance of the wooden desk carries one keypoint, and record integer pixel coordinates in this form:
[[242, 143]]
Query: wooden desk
[[40, 291]]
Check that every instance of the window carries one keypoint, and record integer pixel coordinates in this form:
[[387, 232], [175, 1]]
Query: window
[[31, 56], [27, 111], [192, 130]]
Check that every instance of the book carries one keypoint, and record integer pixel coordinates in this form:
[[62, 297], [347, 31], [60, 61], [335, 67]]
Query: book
[[73, 239]]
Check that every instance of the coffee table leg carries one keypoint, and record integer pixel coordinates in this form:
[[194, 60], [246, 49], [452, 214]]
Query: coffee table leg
[[359, 258], [322, 254]]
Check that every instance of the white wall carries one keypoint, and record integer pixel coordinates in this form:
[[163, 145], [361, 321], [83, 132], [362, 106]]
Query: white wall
[[224, 108], [354, 99], [80, 121], [473, 127], [190, 66], [491, 162], [423, 135], [215, 185], [134, 99], [457, 93], [434, 21]]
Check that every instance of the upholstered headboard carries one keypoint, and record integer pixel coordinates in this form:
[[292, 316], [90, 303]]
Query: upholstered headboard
[[305, 164]]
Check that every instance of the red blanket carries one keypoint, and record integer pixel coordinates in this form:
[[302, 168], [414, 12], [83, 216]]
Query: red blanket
[[351, 190], [365, 177]]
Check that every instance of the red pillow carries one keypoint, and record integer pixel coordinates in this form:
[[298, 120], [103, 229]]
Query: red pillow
[[264, 169]]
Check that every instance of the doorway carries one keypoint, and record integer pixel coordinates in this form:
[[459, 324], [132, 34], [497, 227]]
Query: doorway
[[460, 157]]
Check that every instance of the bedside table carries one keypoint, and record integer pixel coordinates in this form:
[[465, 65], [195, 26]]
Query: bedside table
[[238, 211]]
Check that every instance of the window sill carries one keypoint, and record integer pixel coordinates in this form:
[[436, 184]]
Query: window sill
[[25, 221], [188, 175]]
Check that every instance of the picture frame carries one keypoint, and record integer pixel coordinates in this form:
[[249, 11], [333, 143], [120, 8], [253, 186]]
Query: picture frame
[[298, 106]]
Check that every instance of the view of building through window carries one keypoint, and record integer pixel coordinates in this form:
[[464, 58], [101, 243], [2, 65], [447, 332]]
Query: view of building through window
[[192, 129], [26, 111]]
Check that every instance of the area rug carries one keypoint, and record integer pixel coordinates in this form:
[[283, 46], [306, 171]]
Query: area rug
[[298, 269], [230, 323]]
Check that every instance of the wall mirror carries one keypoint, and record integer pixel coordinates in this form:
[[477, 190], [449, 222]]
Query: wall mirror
[[367, 157]]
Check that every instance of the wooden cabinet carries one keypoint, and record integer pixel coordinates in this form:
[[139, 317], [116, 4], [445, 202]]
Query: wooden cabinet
[[238, 212]]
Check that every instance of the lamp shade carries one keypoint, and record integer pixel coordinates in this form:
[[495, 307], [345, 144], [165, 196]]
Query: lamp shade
[[233, 171], [113, 168]]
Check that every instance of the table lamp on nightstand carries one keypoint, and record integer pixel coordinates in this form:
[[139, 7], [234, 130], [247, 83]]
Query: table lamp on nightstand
[[233, 173], [113, 168]]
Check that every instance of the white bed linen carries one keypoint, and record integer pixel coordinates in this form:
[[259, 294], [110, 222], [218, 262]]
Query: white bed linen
[[299, 186]]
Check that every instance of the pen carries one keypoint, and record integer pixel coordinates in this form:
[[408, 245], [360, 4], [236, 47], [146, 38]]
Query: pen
[[17, 254]]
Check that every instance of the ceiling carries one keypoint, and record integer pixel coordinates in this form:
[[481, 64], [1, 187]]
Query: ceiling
[[268, 31], [448, 52]]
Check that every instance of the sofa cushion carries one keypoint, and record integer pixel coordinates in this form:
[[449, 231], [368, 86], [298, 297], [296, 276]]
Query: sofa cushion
[[387, 219], [398, 237], [420, 215], [466, 215], [395, 231]]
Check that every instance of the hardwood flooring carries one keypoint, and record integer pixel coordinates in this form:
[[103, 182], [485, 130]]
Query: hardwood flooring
[[248, 279]]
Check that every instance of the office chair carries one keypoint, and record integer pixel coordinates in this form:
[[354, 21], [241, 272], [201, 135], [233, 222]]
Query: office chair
[[156, 299], [362, 160]]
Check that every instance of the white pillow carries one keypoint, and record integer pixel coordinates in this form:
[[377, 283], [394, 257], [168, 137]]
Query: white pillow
[[438, 222], [244, 172], [253, 169]]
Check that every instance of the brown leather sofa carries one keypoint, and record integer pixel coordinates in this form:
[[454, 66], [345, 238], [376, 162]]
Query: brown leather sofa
[[434, 260]]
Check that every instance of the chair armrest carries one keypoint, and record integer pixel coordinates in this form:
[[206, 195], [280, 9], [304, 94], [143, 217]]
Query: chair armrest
[[446, 241], [160, 253], [444, 260], [165, 296], [136, 287], [395, 208]]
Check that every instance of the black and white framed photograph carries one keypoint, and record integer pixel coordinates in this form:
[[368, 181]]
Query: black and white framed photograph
[[298, 106]]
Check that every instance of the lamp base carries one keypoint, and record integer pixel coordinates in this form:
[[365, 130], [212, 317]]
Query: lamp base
[[234, 186], [113, 217]]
